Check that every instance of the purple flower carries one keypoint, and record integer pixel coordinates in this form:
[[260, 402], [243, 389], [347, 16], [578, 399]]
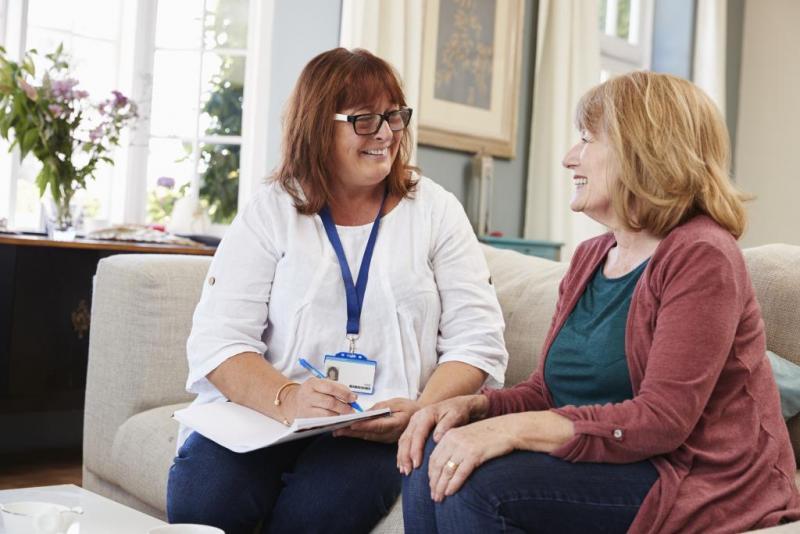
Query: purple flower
[[63, 88], [96, 133], [119, 99], [56, 110], [166, 181], [81, 94]]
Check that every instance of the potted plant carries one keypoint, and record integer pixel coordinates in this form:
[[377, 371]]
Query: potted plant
[[52, 119]]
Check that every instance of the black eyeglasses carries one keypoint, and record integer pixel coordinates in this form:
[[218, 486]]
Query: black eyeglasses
[[370, 123]]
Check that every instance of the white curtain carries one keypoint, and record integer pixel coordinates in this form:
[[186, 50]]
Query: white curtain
[[567, 64], [709, 49], [392, 30]]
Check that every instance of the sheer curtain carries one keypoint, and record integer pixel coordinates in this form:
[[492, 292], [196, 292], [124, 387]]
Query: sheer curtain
[[392, 30], [567, 64], [709, 49]]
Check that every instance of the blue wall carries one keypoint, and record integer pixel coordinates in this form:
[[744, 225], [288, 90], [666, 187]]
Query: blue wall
[[673, 37]]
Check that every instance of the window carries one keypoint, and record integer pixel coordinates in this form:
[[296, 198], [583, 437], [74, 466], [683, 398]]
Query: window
[[625, 31], [196, 108], [183, 62]]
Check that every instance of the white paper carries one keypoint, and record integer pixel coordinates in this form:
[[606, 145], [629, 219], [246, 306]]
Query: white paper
[[242, 429]]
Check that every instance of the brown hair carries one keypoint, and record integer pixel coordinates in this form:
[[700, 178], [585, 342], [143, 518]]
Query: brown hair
[[334, 80], [671, 150]]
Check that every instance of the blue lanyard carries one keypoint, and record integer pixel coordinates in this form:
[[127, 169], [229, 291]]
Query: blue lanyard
[[355, 293]]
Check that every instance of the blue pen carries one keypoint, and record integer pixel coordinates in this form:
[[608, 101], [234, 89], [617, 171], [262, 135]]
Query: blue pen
[[314, 371]]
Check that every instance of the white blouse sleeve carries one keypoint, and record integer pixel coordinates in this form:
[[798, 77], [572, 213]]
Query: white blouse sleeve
[[231, 316], [471, 326]]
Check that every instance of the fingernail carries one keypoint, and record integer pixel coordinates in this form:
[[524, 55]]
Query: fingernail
[[436, 436], [415, 464]]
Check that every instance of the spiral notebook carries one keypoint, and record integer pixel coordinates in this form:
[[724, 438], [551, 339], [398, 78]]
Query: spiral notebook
[[242, 429]]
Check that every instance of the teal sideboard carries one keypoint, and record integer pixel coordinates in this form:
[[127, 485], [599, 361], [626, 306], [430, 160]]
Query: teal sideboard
[[544, 249]]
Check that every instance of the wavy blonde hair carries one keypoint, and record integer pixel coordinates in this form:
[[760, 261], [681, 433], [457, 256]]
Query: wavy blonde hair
[[671, 152]]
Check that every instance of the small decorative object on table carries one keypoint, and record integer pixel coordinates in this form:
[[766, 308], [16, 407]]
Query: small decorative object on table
[[141, 234], [48, 117]]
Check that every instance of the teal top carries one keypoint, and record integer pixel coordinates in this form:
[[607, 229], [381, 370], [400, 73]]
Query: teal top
[[586, 363]]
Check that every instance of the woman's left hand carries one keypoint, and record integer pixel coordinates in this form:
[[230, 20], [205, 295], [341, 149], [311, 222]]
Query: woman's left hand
[[462, 450], [383, 429]]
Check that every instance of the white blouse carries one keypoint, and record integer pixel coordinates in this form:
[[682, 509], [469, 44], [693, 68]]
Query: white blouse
[[275, 288]]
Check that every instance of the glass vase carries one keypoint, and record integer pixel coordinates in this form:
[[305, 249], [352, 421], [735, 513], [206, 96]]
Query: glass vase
[[63, 218]]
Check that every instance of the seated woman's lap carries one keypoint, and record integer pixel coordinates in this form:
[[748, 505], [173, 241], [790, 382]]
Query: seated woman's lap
[[303, 485], [529, 491]]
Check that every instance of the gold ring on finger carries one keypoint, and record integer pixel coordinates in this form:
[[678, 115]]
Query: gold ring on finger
[[451, 467]]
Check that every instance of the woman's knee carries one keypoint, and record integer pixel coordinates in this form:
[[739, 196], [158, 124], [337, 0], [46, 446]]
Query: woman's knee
[[211, 485]]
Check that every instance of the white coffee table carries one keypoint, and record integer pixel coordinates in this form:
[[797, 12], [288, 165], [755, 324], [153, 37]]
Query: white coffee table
[[100, 515]]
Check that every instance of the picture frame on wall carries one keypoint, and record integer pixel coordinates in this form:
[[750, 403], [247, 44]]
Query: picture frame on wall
[[471, 63]]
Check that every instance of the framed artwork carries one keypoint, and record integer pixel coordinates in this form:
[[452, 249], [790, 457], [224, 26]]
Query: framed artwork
[[471, 58]]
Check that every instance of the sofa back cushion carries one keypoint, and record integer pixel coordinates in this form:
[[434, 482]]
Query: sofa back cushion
[[141, 316], [527, 288], [775, 271]]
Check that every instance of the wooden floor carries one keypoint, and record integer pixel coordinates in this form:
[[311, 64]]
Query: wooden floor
[[40, 469]]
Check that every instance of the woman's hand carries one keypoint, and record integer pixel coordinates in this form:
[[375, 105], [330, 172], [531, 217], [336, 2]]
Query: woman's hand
[[317, 397], [461, 450], [383, 429], [443, 415]]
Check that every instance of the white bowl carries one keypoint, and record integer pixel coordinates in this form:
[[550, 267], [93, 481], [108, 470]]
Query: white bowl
[[30, 517]]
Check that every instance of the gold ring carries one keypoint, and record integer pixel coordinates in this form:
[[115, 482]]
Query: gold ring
[[451, 466]]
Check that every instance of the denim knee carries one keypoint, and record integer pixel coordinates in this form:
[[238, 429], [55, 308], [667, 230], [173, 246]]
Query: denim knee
[[211, 485]]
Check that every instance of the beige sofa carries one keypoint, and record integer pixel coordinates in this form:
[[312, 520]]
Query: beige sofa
[[141, 317]]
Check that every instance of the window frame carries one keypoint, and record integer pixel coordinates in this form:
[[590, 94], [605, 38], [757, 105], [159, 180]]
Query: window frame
[[618, 55]]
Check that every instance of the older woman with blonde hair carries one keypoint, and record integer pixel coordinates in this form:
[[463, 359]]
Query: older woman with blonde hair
[[653, 408]]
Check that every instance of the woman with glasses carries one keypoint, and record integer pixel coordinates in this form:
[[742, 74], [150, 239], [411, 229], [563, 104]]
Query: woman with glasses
[[654, 407], [349, 259]]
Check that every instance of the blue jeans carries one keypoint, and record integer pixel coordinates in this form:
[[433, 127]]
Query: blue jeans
[[530, 492], [317, 484]]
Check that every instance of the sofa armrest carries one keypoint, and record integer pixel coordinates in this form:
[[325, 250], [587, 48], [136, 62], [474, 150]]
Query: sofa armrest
[[142, 310]]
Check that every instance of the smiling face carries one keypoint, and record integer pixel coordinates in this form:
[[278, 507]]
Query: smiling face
[[590, 161], [364, 160]]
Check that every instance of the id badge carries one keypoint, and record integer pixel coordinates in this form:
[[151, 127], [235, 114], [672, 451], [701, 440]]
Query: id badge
[[353, 370]]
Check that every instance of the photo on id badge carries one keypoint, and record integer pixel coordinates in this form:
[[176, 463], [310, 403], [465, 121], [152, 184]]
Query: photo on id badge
[[355, 371]]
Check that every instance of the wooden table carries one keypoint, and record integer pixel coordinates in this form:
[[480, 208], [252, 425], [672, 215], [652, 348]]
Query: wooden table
[[45, 317]]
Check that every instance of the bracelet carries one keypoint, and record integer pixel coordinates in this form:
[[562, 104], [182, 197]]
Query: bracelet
[[277, 401]]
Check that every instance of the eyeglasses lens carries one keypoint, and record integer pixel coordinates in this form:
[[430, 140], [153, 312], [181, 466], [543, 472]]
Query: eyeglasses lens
[[369, 124]]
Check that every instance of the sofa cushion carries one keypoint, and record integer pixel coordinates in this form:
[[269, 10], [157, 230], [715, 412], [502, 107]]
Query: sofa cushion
[[775, 271], [143, 450], [527, 288]]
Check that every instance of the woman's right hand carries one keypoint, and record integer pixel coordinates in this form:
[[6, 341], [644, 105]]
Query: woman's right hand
[[443, 415], [317, 397]]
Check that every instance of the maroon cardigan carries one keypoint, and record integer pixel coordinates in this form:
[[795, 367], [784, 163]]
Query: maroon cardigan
[[705, 410]]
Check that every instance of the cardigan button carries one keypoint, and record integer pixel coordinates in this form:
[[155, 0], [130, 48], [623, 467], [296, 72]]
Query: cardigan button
[[617, 433], [212, 280]]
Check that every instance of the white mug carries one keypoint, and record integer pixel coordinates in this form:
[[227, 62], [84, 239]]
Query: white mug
[[38, 517], [186, 528]]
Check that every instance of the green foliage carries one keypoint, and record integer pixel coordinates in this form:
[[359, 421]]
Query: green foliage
[[220, 188], [161, 202]]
